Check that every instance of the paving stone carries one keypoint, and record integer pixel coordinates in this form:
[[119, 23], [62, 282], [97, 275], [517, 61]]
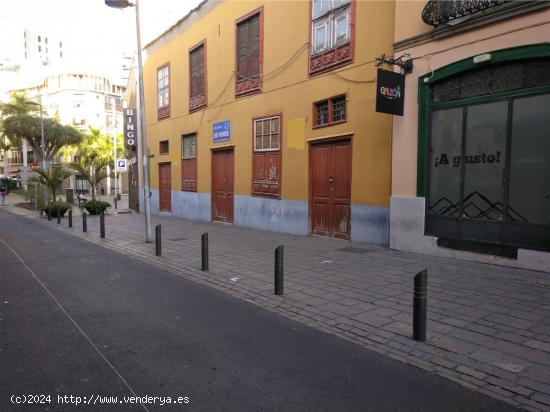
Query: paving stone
[[471, 372], [544, 399], [504, 384], [537, 344], [371, 319]]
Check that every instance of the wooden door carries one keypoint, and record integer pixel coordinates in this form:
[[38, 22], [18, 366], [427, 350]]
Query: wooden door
[[165, 187], [222, 185], [330, 182]]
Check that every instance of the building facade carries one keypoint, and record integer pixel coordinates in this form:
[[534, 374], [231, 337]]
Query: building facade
[[265, 118], [471, 155]]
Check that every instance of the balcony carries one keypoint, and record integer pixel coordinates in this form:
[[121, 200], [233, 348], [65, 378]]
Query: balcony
[[437, 12]]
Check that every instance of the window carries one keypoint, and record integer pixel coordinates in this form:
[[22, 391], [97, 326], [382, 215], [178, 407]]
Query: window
[[189, 163], [163, 147], [197, 77], [249, 55], [39, 38], [163, 91], [331, 23], [330, 111], [39, 48], [267, 157]]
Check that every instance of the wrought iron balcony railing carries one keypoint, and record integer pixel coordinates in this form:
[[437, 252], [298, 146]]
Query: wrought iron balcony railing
[[437, 12]]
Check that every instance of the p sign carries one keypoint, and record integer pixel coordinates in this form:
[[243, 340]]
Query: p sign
[[130, 127], [121, 165]]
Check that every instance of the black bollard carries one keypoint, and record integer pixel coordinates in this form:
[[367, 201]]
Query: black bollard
[[70, 217], [420, 305], [158, 240], [58, 217], [279, 270], [102, 226], [84, 223], [49, 213], [204, 251], [116, 204]]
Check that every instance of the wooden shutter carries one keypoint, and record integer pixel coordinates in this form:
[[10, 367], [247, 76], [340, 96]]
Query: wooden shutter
[[249, 55], [197, 77]]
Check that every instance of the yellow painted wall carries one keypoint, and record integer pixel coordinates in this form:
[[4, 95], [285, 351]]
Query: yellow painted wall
[[289, 91], [408, 14]]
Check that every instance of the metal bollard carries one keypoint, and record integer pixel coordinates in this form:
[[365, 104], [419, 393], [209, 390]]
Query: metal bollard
[[420, 305], [204, 252], [279, 270], [102, 226], [116, 203], [70, 217], [58, 217], [158, 240], [49, 213], [84, 222]]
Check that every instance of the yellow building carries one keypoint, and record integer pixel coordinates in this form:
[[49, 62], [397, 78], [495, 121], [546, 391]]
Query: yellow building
[[262, 114]]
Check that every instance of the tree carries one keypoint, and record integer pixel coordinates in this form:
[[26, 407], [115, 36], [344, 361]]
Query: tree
[[93, 169], [52, 178], [56, 135]]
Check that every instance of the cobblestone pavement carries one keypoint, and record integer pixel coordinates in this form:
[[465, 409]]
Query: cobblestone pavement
[[488, 326]]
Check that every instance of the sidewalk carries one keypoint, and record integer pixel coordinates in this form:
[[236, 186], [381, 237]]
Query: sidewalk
[[488, 326]]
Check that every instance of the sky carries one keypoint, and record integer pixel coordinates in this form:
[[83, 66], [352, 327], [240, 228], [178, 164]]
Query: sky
[[91, 31]]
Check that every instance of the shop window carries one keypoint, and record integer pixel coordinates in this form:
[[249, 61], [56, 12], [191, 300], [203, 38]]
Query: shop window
[[329, 111], [249, 54], [197, 77], [267, 157], [331, 34], [189, 163], [164, 147], [163, 91]]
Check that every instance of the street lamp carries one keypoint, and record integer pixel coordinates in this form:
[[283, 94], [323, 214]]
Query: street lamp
[[42, 141], [142, 141]]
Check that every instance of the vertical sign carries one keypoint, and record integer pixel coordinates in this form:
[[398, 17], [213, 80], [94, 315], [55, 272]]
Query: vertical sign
[[130, 127], [222, 131], [390, 92]]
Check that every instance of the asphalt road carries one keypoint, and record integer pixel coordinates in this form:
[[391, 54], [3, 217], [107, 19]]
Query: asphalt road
[[77, 319]]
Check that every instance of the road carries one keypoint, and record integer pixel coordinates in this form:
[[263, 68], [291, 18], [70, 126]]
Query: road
[[77, 319]]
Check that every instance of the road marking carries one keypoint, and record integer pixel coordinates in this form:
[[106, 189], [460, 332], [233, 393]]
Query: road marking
[[72, 320]]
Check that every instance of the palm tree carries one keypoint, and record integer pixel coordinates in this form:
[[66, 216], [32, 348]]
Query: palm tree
[[93, 169], [52, 178]]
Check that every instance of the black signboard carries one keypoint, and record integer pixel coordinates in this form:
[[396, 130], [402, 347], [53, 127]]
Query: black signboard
[[130, 127], [390, 92]]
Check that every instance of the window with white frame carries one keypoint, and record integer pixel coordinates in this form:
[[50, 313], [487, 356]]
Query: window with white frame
[[266, 134], [163, 87], [331, 21]]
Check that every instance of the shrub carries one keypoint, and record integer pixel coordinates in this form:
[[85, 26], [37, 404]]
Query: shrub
[[56, 208], [96, 207]]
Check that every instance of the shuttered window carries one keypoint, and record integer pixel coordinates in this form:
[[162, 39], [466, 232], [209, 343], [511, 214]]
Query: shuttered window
[[197, 77], [189, 162], [249, 55]]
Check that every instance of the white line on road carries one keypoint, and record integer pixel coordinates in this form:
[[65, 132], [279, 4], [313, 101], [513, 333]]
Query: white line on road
[[72, 320]]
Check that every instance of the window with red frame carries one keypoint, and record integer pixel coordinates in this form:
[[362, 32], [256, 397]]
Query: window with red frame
[[163, 91], [329, 111], [331, 33], [248, 78], [189, 162], [267, 157], [197, 76]]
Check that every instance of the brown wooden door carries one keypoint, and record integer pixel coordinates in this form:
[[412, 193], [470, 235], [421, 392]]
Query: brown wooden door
[[222, 185], [330, 180], [165, 187]]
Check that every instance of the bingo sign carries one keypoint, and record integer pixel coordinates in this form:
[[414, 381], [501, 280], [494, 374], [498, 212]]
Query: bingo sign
[[222, 131], [130, 127]]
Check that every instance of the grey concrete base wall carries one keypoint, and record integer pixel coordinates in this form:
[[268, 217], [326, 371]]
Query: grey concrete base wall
[[407, 234], [154, 200], [370, 224], [192, 205], [287, 216]]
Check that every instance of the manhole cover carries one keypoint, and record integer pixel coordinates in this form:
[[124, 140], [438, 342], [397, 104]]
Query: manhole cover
[[177, 239], [356, 250]]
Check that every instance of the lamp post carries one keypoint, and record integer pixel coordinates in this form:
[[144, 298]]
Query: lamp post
[[42, 141], [142, 141]]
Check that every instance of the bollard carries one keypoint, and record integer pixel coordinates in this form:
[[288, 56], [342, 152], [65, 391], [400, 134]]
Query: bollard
[[70, 217], [49, 213], [84, 223], [58, 217], [158, 241], [102, 226], [204, 251], [116, 204], [420, 305], [279, 270]]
